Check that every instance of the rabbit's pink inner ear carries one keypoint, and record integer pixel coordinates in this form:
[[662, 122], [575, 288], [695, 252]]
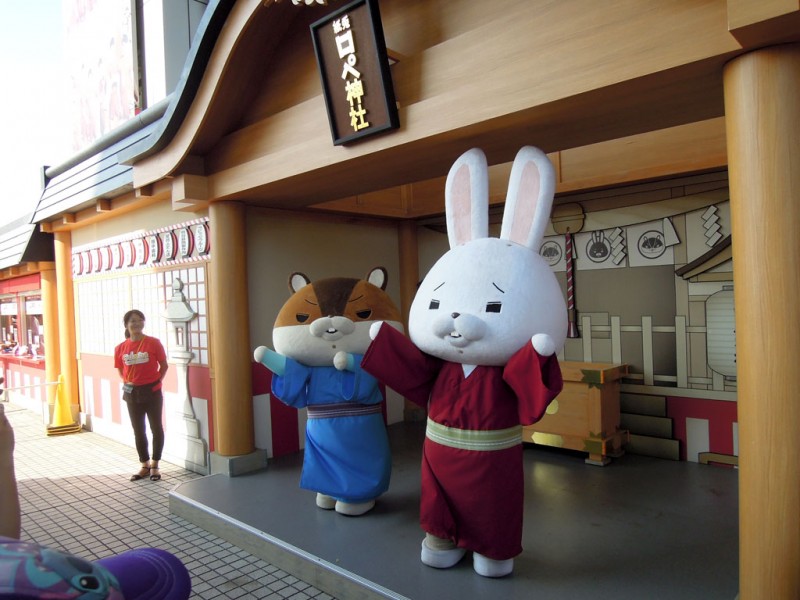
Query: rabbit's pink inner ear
[[461, 208], [524, 212]]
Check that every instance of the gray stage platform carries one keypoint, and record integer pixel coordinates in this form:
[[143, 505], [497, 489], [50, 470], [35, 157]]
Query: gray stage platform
[[639, 528]]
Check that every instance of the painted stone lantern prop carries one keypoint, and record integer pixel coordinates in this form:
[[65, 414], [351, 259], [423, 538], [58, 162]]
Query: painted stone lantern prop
[[721, 333], [184, 441]]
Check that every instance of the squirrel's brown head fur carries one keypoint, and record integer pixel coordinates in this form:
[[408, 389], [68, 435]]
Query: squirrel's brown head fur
[[331, 315]]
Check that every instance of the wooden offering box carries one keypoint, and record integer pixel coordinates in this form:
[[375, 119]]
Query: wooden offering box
[[585, 415]]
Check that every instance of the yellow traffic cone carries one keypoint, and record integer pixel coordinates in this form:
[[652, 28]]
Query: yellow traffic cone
[[62, 414]]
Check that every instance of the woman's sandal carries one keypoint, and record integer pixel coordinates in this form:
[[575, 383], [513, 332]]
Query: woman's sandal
[[155, 474], [143, 471]]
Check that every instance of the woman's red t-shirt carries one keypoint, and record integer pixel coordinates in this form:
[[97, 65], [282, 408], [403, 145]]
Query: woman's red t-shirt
[[139, 360]]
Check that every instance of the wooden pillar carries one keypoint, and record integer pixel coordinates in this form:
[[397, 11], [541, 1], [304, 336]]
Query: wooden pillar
[[230, 342], [66, 319], [52, 359], [763, 131], [408, 248], [409, 266]]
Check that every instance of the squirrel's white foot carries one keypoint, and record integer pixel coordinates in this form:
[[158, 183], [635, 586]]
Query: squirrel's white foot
[[488, 567], [354, 509], [440, 553], [325, 502]]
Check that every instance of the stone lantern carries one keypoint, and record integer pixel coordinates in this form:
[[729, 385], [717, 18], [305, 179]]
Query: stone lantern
[[184, 442]]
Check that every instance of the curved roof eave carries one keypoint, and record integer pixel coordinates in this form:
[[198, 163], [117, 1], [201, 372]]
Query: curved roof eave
[[21, 241], [194, 68], [104, 169]]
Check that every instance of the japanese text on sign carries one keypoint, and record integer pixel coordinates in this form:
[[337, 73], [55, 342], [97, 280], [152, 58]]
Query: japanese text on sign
[[354, 87]]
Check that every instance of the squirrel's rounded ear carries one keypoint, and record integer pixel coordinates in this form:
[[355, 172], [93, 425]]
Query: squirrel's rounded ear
[[298, 281], [466, 198], [531, 187], [378, 277]]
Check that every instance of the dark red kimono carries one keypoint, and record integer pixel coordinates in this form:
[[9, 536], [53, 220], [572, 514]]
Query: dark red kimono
[[474, 498]]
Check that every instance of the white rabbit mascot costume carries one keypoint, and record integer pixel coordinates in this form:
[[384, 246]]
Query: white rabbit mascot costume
[[485, 325]]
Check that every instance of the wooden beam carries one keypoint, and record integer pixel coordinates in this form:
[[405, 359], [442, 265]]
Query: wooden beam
[[103, 205], [717, 255], [600, 82], [189, 192], [145, 191], [193, 165], [681, 150], [758, 23], [129, 202]]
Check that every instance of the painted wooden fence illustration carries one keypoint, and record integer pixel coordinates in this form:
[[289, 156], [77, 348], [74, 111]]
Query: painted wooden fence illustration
[[712, 384]]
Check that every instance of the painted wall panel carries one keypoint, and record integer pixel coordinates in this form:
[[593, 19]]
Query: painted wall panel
[[697, 438]]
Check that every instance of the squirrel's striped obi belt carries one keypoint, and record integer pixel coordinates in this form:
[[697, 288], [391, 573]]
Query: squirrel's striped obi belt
[[466, 439], [343, 409]]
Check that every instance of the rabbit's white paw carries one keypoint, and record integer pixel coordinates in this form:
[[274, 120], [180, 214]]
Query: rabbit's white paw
[[374, 329], [543, 344]]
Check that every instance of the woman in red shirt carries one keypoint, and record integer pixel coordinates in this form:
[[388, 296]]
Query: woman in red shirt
[[142, 364]]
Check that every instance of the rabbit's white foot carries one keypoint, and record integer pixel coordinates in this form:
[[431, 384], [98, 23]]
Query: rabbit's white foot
[[325, 502], [354, 509], [488, 567], [440, 553]]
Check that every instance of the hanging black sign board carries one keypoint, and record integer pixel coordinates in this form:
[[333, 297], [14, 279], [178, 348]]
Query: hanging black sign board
[[354, 67]]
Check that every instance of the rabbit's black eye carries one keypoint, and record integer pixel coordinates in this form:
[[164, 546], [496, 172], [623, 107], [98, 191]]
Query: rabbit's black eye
[[364, 314], [493, 307], [301, 317], [434, 305]]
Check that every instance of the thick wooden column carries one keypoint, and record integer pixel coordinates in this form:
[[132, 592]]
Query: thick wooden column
[[67, 347], [52, 359], [408, 248], [230, 343], [763, 130], [409, 266]]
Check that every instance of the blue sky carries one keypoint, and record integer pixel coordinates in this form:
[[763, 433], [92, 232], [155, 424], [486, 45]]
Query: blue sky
[[33, 110]]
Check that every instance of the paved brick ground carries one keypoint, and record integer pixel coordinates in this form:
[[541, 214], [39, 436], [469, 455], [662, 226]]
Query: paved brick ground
[[75, 496]]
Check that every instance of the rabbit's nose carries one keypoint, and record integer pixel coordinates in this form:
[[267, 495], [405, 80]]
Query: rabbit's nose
[[455, 315]]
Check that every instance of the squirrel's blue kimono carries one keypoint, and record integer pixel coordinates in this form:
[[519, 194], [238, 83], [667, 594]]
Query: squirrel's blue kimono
[[347, 452]]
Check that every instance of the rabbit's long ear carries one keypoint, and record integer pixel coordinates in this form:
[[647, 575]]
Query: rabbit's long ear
[[530, 197], [466, 198]]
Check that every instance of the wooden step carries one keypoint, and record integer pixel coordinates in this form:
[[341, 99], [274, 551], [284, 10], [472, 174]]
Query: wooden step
[[641, 404], [660, 427], [654, 446]]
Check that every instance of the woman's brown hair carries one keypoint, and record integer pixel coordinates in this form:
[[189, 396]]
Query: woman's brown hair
[[127, 317]]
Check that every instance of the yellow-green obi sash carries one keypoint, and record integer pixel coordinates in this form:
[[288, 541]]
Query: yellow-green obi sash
[[467, 439]]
